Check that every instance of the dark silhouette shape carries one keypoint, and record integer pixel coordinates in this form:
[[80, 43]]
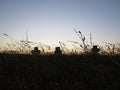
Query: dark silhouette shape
[[95, 50], [58, 51], [35, 51]]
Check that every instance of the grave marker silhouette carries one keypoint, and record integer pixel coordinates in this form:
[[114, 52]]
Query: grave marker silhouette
[[58, 51], [35, 51], [95, 49]]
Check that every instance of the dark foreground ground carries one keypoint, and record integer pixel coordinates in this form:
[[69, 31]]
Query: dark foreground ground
[[75, 72]]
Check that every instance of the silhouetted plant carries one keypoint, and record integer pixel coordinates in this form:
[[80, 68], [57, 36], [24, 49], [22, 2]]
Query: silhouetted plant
[[110, 49], [86, 47], [25, 47]]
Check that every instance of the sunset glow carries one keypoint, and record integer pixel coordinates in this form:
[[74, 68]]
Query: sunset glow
[[51, 21]]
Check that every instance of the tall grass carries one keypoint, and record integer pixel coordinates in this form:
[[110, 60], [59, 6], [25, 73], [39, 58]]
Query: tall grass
[[25, 47]]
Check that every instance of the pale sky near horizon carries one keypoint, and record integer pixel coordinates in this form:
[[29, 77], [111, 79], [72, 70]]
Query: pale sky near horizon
[[51, 21]]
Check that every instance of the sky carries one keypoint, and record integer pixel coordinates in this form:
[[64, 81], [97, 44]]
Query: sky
[[51, 21]]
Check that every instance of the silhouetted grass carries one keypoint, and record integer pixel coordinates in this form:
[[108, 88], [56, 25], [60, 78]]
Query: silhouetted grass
[[68, 72]]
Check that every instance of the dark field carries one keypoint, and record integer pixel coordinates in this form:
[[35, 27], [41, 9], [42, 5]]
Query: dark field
[[73, 72]]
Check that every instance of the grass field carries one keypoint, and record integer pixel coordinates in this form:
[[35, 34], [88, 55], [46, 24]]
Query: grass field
[[68, 72]]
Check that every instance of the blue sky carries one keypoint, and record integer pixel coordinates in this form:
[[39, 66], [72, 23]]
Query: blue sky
[[50, 21]]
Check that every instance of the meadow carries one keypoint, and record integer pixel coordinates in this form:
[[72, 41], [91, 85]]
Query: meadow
[[96, 67], [58, 72]]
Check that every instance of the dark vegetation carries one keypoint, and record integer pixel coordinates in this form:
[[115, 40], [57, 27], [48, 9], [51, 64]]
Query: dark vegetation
[[61, 72], [97, 67]]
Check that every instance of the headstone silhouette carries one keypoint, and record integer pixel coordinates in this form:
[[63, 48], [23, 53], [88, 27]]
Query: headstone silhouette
[[95, 49], [58, 51], [35, 51]]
